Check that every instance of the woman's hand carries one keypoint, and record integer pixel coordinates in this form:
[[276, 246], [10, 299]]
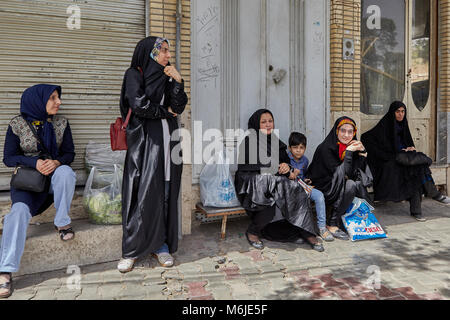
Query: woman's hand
[[294, 174], [283, 168], [47, 166], [171, 111], [355, 145], [409, 149], [172, 72]]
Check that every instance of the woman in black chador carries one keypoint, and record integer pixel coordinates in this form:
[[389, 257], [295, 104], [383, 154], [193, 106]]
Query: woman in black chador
[[278, 207], [392, 180], [154, 90], [340, 171]]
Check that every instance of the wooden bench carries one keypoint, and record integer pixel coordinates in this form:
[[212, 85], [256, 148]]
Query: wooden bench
[[210, 212]]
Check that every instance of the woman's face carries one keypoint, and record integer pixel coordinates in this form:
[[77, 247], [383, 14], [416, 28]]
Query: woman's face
[[53, 103], [164, 54], [266, 123], [345, 133], [400, 114]]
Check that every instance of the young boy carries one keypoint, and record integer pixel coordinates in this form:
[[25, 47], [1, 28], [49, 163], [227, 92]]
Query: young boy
[[299, 162]]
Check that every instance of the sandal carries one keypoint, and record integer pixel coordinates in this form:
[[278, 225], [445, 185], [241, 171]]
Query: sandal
[[7, 286], [255, 244], [64, 232]]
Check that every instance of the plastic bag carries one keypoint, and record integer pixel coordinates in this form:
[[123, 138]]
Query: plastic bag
[[103, 199], [360, 222], [101, 156], [216, 185]]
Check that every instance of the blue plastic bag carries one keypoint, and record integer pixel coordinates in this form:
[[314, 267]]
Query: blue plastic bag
[[360, 222]]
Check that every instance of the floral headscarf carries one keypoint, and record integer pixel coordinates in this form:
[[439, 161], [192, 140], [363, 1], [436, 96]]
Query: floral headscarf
[[157, 47]]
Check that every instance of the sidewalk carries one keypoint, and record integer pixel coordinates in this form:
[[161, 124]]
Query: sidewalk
[[412, 263]]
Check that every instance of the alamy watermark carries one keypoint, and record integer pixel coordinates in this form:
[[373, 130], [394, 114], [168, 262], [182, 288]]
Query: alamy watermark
[[374, 280], [74, 20], [73, 282], [199, 147]]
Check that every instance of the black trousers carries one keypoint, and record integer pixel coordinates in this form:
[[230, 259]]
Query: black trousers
[[260, 219]]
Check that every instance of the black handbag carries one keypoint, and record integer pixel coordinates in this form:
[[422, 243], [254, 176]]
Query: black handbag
[[412, 158], [30, 179]]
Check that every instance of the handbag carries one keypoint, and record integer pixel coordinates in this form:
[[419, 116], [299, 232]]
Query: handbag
[[412, 158], [118, 131], [30, 179]]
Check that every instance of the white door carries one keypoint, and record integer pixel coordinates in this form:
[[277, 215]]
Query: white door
[[265, 60]]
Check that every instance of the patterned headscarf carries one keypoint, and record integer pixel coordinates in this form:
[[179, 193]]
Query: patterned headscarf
[[157, 47]]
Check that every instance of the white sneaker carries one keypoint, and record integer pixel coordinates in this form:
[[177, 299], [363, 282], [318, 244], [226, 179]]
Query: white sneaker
[[125, 265], [164, 259]]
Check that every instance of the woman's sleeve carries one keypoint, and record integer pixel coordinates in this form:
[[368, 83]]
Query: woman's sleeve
[[140, 104], [178, 98], [348, 163], [374, 148], [13, 154], [67, 149]]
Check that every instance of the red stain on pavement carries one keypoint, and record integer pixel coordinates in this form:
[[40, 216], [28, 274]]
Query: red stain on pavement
[[352, 288], [197, 291]]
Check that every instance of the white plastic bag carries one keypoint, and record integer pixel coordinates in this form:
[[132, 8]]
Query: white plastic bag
[[216, 184], [101, 156], [103, 199], [360, 222]]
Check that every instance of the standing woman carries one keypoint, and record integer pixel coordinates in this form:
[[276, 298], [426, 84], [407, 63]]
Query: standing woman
[[154, 90], [38, 107], [338, 169], [392, 180]]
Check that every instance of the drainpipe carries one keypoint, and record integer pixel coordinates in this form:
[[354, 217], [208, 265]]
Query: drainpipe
[[180, 125], [178, 35], [147, 23]]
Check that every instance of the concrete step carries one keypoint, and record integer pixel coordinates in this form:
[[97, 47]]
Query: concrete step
[[76, 210], [45, 251]]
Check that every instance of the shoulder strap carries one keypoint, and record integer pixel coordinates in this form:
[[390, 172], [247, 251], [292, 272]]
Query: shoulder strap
[[37, 137], [127, 119]]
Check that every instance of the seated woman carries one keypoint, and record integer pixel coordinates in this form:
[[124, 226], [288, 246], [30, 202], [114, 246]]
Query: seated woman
[[38, 107], [339, 170], [392, 180], [278, 207]]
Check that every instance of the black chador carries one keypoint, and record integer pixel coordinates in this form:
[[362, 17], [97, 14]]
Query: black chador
[[148, 91]]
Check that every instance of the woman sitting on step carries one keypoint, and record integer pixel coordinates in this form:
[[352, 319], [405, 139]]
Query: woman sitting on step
[[395, 180], [39, 139]]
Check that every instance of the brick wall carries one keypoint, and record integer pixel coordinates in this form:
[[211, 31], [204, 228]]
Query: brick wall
[[444, 62], [163, 23], [345, 74]]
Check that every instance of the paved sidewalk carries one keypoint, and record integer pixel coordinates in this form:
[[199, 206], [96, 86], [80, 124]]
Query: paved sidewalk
[[412, 263]]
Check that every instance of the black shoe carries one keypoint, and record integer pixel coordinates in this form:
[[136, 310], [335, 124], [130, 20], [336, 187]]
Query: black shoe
[[339, 234], [255, 244], [442, 199], [418, 217]]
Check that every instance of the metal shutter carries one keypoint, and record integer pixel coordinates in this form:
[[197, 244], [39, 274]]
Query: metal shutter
[[36, 46]]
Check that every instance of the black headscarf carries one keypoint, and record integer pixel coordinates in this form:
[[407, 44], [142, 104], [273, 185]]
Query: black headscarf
[[154, 77], [254, 124], [326, 157], [389, 135]]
